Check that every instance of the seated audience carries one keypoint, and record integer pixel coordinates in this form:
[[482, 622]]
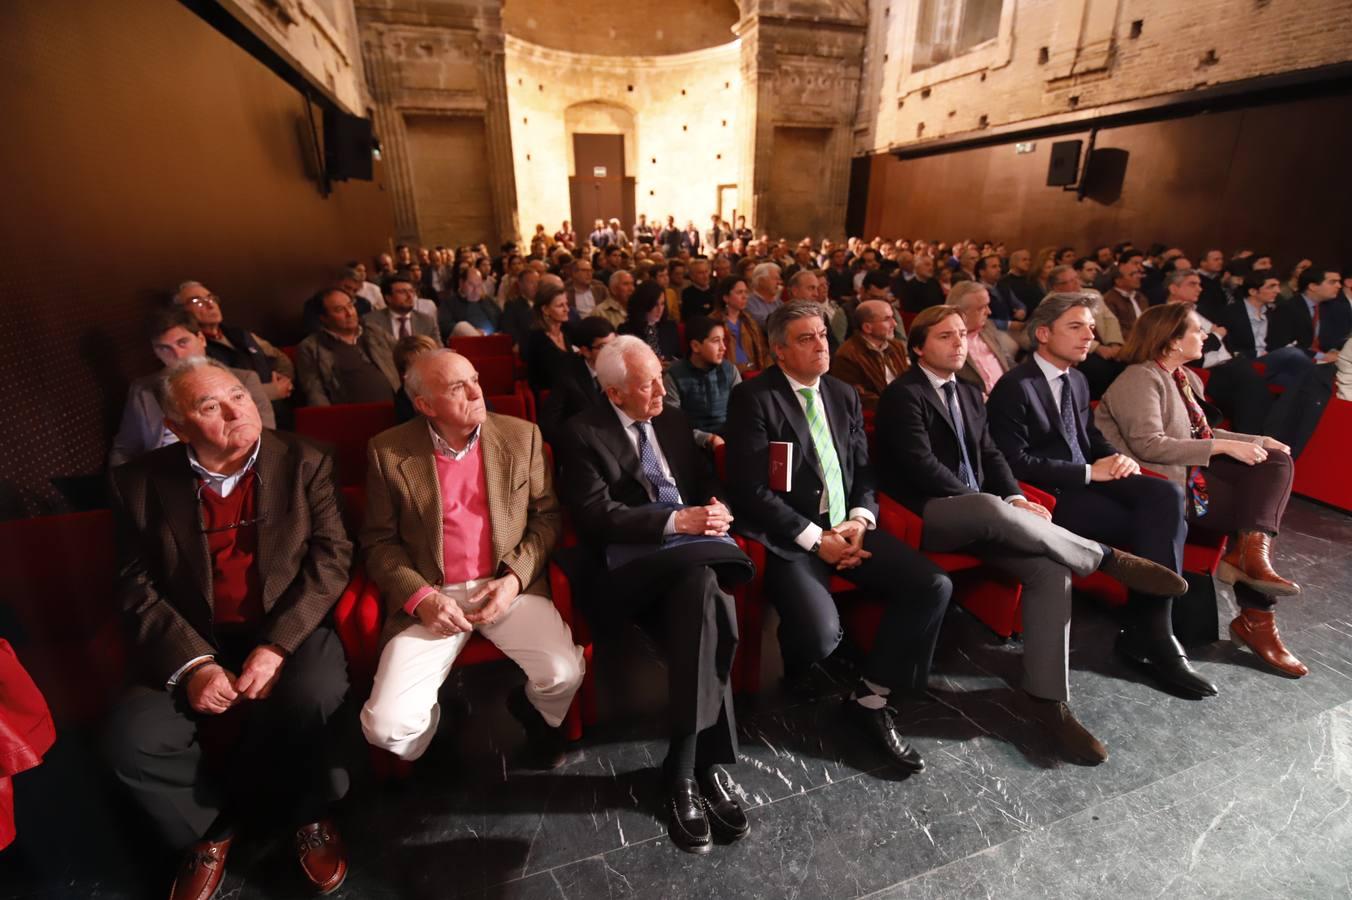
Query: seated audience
[[746, 342], [398, 318], [355, 283], [1041, 422], [584, 293], [518, 313], [990, 351], [631, 476], [944, 467], [237, 347], [471, 310], [1124, 298], [233, 556], [699, 384], [647, 321], [1234, 483], [1214, 298], [698, 297], [872, 356], [547, 345], [174, 336], [575, 387], [345, 362], [1020, 282], [404, 350], [764, 299], [1317, 320], [1008, 312], [924, 290], [483, 569], [822, 522], [615, 307]]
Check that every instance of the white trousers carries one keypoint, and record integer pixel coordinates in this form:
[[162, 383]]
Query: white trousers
[[403, 711]]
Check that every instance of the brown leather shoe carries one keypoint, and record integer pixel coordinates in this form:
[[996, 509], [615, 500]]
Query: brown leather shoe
[[1073, 739], [1248, 562], [201, 871], [1143, 575], [1257, 630], [322, 856]]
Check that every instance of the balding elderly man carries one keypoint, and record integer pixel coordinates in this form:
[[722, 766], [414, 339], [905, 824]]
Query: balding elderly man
[[236, 347], [460, 520], [764, 299], [646, 507], [615, 307], [990, 351], [872, 357], [233, 554]]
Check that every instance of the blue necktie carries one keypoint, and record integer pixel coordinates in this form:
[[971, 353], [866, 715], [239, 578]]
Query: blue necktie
[[965, 471], [663, 486], [1068, 422]]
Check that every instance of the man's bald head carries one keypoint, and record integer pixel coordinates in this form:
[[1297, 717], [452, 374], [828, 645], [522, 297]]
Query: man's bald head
[[877, 319]]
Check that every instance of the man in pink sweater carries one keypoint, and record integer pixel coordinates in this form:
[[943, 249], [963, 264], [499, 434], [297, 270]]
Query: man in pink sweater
[[461, 517]]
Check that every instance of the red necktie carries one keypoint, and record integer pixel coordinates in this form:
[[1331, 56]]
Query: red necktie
[[1314, 320], [403, 326]]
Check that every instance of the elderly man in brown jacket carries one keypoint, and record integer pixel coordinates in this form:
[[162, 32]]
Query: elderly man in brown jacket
[[233, 553], [872, 356], [461, 517]]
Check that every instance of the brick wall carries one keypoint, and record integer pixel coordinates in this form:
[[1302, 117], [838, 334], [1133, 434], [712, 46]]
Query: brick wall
[[1055, 56]]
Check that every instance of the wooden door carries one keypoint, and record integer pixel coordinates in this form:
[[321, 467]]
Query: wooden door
[[600, 189]]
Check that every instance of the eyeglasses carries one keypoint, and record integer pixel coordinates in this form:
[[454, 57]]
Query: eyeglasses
[[233, 526], [208, 300]]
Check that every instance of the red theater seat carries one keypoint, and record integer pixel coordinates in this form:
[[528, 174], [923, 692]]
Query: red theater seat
[[497, 374], [347, 427], [481, 346], [1322, 471]]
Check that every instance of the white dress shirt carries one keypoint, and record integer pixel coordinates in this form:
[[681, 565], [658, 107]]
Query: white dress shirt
[[809, 536], [937, 382], [1056, 380], [627, 425]]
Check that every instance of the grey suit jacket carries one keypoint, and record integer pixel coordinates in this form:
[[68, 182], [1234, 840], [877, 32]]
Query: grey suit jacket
[[1142, 414], [420, 322], [317, 372], [142, 426]]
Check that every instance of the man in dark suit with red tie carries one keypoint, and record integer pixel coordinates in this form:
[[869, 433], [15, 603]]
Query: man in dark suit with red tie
[[821, 521], [233, 555], [640, 491], [1040, 420]]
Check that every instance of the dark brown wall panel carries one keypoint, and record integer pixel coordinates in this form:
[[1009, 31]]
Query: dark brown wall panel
[[142, 148], [1272, 177]]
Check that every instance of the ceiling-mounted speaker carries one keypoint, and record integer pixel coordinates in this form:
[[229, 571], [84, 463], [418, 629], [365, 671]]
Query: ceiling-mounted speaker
[[348, 141]]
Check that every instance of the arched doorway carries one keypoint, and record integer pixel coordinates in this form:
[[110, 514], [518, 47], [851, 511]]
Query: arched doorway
[[600, 169]]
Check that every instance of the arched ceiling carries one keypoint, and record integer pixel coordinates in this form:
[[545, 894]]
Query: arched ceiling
[[630, 28]]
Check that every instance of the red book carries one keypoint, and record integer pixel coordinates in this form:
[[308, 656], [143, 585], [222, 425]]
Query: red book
[[781, 466]]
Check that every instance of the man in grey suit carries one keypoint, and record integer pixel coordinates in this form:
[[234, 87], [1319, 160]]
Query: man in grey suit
[[399, 319], [944, 466], [174, 335]]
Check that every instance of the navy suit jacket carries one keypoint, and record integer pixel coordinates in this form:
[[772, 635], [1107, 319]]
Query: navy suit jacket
[[1026, 425], [918, 453], [765, 409], [1291, 322]]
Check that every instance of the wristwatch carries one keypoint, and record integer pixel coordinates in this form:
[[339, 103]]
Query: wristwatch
[[817, 547]]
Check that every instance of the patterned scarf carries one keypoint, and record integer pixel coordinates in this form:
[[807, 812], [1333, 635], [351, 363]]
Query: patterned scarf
[[1201, 430]]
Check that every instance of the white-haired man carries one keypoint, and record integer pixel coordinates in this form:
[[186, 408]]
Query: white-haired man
[[765, 285], [479, 480], [642, 498]]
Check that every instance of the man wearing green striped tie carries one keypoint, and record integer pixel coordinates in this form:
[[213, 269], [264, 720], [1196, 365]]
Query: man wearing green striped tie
[[820, 521]]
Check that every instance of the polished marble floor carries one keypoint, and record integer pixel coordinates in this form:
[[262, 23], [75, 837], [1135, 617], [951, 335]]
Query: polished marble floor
[[1248, 794]]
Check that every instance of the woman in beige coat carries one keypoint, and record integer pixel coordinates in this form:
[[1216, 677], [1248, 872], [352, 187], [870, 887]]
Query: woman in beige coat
[[1234, 483]]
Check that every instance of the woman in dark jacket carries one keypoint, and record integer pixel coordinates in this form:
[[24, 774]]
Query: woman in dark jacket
[[547, 344], [648, 321]]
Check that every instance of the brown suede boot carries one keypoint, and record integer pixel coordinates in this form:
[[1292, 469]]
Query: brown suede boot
[[1248, 563], [1257, 630]]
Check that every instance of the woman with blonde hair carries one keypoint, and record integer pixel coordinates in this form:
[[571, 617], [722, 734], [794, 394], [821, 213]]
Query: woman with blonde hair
[[1235, 484]]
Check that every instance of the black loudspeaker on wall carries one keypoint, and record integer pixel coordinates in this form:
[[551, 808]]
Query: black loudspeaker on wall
[[1064, 168], [347, 146]]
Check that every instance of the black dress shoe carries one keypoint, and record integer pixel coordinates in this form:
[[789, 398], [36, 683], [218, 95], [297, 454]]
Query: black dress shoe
[[881, 724], [1166, 661], [688, 824], [726, 818], [546, 747]]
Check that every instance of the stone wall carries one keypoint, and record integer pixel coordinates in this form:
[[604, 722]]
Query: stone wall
[[436, 78], [678, 113], [633, 28], [1057, 56]]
